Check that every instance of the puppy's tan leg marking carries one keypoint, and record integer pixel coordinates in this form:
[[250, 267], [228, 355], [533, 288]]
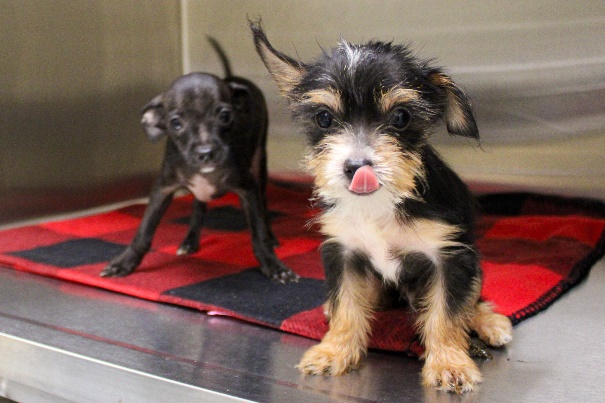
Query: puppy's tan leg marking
[[448, 366], [342, 347], [327, 313], [493, 328]]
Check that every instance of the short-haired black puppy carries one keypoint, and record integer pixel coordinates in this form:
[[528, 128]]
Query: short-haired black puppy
[[216, 136], [396, 217]]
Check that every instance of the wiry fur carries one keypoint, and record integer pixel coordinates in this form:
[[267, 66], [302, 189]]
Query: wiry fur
[[374, 105]]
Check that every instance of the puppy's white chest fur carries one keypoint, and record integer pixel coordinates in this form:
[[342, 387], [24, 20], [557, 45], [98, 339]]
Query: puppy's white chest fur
[[383, 237], [201, 187]]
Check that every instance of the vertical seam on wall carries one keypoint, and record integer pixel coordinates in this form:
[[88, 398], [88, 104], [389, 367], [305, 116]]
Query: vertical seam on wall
[[185, 56]]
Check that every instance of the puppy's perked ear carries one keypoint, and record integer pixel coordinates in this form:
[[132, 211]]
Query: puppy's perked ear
[[286, 71], [153, 119], [459, 116]]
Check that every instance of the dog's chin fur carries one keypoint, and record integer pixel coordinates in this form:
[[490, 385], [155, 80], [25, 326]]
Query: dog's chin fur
[[375, 105], [365, 225]]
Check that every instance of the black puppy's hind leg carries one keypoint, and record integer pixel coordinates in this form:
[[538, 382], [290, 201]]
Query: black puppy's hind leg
[[270, 265], [191, 243], [126, 262], [261, 175]]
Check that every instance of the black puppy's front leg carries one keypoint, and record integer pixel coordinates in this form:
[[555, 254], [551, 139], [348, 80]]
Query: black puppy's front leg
[[191, 243], [126, 262], [262, 239]]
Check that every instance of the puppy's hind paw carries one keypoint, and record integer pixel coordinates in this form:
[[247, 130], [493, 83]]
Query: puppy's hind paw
[[186, 249], [285, 277], [494, 329], [280, 273]]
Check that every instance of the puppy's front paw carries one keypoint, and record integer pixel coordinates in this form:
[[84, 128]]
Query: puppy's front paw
[[123, 264], [327, 359], [116, 270], [458, 377]]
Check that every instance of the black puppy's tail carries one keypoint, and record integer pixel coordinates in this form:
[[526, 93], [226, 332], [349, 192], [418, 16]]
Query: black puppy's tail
[[221, 54]]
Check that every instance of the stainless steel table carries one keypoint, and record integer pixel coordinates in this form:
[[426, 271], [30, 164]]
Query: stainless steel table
[[66, 342]]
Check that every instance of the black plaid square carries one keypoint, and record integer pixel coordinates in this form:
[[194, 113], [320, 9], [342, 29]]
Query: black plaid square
[[251, 294], [73, 253]]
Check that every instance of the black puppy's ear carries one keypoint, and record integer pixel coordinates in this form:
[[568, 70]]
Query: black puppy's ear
[[153, 119], [459, 116], [286, 71], [240, 94]]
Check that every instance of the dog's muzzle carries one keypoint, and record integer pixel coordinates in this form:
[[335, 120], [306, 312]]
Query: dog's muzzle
[[209, 155], [362, 176]]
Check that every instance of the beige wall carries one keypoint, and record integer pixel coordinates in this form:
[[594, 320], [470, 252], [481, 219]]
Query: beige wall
[[535, 70], [73, 77]]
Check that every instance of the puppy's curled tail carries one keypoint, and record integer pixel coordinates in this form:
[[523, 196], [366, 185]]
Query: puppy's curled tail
[[221, 54]]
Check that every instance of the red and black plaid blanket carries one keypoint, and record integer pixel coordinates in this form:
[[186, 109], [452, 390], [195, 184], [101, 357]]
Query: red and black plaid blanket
[[534, 248]]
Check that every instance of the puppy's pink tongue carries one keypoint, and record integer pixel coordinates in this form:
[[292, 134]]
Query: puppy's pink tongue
[[364, 181]]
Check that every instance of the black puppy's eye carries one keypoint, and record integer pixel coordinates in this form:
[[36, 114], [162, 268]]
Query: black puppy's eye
[[176, 123], [324, 119], [225, 117], [400, 119]]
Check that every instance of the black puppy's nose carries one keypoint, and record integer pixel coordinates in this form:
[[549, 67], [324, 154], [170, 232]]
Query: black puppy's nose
[[205, 153], [352, 165]]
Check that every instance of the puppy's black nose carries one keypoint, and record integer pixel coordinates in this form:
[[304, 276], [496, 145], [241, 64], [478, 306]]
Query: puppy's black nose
[[352, 165], [204, 153]]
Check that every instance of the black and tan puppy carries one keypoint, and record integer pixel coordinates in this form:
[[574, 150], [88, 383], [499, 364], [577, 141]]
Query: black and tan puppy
[[396, 217], [216, 133]]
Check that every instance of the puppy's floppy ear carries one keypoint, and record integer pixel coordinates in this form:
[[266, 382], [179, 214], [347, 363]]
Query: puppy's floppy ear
[[459, 116], [286, 71], [153, 119]]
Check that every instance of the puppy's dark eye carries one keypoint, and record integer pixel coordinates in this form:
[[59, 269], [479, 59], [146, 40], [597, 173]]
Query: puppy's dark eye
[[176, 123], [324, 119], [225, 117], [400, 119]]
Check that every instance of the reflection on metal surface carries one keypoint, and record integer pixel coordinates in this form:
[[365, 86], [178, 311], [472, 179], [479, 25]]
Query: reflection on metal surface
[[80, 343], [53, 373]]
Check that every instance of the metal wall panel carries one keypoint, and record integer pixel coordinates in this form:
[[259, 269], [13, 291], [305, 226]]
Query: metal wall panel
[[535, 71], [73, 78]]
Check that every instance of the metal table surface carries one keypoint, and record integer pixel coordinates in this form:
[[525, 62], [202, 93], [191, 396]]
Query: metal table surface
[[66, 342]]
